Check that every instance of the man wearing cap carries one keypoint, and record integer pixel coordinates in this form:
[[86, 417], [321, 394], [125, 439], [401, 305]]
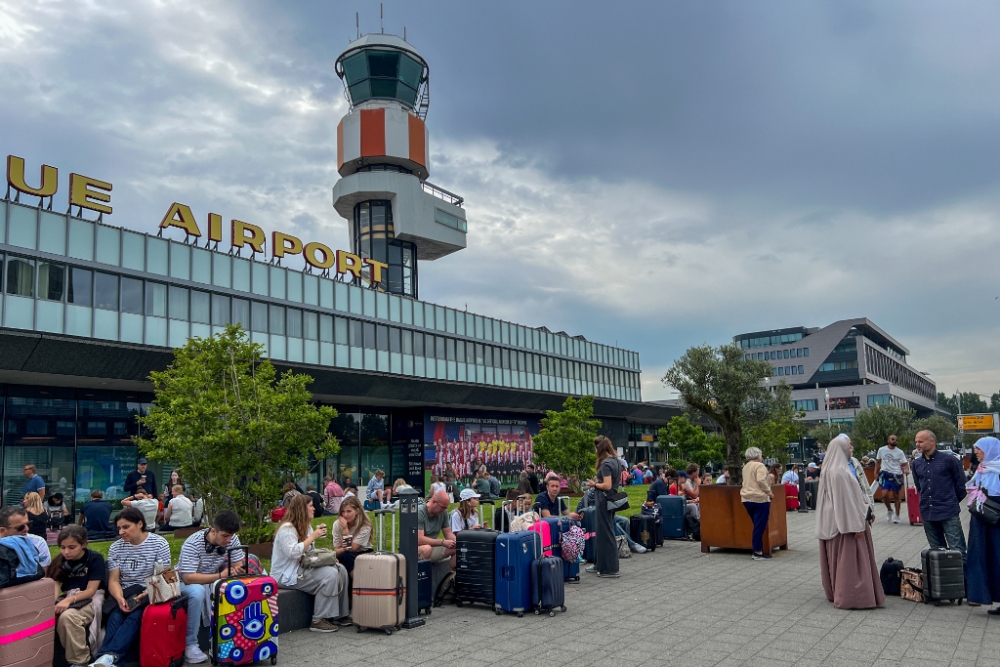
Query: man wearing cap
[[812, 485], [141, 478]]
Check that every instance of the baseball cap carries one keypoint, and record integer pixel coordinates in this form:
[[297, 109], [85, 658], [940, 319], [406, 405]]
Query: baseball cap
[[141, 461], [468, 494]]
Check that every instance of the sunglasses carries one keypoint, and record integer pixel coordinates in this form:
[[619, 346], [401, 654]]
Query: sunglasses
[[23, 528]]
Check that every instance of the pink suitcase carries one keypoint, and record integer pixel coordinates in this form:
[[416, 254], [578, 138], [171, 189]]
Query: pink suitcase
[[28, 624], [544, 529]]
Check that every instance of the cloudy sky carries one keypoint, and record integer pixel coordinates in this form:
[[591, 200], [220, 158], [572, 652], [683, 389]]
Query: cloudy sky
[[652, 174]]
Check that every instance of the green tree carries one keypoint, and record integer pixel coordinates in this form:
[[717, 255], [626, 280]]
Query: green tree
[[967, 402], [235, 430], [684, 442], [824, 432], [873, 425], [950, 404], [779, 427], [721, 384], [566, 442], [994, 402], [942, 429]]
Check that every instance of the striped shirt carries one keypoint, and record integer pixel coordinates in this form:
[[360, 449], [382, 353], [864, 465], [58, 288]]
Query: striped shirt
[[194, 560], [135, 562]]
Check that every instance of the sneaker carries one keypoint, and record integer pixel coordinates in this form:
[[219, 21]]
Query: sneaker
[[609, 575], [895, 519], [193, 654], [639, 549], [344, 621], [322, 625], [592, 569], [81, 665], [889, 515], [106, 660], [762, 556]]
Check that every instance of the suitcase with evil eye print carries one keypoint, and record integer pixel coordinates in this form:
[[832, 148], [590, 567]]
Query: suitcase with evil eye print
[[245, 619]]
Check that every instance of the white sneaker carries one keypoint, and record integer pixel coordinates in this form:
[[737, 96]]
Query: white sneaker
[[194, 655], [639, 549], [889, 515], [895, 519], [106, 660]]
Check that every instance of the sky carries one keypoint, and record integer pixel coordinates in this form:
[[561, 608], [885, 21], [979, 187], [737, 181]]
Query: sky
[[653, 175]]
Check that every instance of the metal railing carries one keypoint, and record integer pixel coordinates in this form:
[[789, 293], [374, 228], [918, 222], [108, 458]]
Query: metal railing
[[441, 193]]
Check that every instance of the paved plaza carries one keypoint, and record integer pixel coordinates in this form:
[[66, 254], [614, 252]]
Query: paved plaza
[[678, 606]]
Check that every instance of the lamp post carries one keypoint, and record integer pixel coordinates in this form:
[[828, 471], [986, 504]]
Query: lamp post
[[829, 422]]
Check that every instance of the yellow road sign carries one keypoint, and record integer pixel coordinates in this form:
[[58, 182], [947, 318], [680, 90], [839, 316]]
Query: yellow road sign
[[975, 423]]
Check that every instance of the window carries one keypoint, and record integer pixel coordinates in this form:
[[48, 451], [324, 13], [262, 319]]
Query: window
[[805, 352], [310, 325], [241, 313], [105, 291], [200, 309], [418, 344], [178, 304], [382, 338], [258, 316], [780, 370], [276, 319], [800, 371], [837, 366], [220, 310], [326, 328], [407, 337], [51, 281], [294, 323], [439, 346], [80, 286], [369, 332], [795, 370], [21, 277], [806, 405], [131, 295], [395, 343], [156, 299]]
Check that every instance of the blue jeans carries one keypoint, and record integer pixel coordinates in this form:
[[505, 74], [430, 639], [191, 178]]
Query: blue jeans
[[759, 514], [196, 607], [946, 534], [123, 629], [622, 528]]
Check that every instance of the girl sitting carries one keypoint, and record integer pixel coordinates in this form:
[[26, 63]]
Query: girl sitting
[[80, 575], [466, 515], [352, 533]]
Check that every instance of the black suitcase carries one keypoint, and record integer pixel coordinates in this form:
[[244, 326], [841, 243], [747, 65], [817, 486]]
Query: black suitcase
[[889, 575], [475, 565], [425, 588], [642, 528], [943, 575], [548, 589]]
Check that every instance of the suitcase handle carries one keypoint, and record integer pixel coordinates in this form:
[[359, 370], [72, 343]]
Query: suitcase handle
[[229, 560]]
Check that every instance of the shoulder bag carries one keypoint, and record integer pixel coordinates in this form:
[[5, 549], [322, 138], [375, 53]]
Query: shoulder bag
[[163, 586], [988, 511], [319, 558], [617, 500]]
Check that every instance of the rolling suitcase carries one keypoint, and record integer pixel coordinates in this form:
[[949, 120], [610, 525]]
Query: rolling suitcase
[[547, 585], [28, 624], [642, 529], [557, 525], [791, 497], [425, 587], [244, 618], [515, 552], [943, 575], [475, 566], [164, 633], [379, 593], [672, 516], [913, 505]]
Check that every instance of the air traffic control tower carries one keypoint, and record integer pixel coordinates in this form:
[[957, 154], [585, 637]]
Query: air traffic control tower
[[395, 215]]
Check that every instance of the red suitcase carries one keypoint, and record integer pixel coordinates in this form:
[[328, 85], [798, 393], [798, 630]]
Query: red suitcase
[[791, 497], [164, 634], [913, 506]]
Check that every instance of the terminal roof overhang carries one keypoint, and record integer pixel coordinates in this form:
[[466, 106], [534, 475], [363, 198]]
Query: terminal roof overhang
[[65, 361]]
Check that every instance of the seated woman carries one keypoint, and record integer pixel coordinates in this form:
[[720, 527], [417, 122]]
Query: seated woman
[[466, 515], [179, 512], [328, 585], [289, 491], [80, 575], [38, 520], [131, 560], [376, 494], [352, 533], [55, 508], [333, 495]]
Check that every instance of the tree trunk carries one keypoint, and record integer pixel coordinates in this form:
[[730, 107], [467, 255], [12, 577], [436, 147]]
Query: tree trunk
[[734, 457]]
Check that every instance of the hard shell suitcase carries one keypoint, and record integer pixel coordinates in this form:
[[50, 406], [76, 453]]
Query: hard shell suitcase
[[379, 593], [913, 506], [244, 618], [164, 633], [547, 585], [943, 575], [425, 587], [791, 497], [474, 567], [889, 576], [27, 624], [643, 528], [545, 532], [589, 524], [571, 571], [672, 516], [515, 553]]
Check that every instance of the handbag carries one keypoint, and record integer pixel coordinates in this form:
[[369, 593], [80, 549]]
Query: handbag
[[988, 511], [623, 549], [319, 558], [617, 501], [163, 586]]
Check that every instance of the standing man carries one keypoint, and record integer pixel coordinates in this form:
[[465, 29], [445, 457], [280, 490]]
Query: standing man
[[890, 466], [940, 480], [35, 482], [203, 562], [532, 477], [141, 477], [818, 456]]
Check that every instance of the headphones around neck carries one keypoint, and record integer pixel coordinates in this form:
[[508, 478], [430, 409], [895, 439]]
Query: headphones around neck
[[213, 548], [76, 568]]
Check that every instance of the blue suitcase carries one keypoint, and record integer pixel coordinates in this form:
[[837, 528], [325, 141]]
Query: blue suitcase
[[425, 588], [672, 516], [571, 571], [589, 524], [547, 585], [515, 552]]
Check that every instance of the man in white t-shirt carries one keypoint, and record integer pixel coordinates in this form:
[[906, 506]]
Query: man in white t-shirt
[[890, 466], [145, 503]]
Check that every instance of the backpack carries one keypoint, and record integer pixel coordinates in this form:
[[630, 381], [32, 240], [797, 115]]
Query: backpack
[[9, 562], [889, 575], [445, 593], [571, 543]]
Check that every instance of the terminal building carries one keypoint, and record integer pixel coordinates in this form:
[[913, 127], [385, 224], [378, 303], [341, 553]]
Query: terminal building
[[853, 362], [88, 310]]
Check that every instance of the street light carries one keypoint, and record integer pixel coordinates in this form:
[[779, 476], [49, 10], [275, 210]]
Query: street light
[[829, 422]]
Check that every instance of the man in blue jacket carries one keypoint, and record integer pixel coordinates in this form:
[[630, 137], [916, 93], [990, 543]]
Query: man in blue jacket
[[940, 480]]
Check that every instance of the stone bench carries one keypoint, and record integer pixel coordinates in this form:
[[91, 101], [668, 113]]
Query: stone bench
[[295, 610]]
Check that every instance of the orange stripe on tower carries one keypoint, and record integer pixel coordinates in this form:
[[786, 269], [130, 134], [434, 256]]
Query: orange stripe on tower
[[372, 132], [340, 144], [418, 144]]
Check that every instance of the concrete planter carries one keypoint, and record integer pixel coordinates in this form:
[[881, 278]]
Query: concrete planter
[[725, 523], [261, 549]]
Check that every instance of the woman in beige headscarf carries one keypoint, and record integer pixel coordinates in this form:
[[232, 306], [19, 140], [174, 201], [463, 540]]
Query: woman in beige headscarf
[[843, 514]]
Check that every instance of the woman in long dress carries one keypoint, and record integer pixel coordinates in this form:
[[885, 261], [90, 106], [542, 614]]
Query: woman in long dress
[[843, 515], [608, 474], [982, 569]]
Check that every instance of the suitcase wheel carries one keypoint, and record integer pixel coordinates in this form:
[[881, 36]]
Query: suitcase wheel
[[360, 629], [499, 613], [520, 614], [537, 612], [937, 603], [388, 631], [274, 660], [552, 613], [458, 603], [562, 608]]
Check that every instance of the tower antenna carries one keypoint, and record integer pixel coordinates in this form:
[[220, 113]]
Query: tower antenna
[[357, 25], [404, 33], [380, 17]]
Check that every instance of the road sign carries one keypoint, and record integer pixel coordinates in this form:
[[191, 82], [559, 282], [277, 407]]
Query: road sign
[[979, 422]]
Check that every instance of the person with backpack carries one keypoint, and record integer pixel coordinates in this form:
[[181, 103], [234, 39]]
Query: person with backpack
[[81, 575]]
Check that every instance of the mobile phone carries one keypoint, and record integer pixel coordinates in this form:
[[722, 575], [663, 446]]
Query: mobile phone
[[134, 602]]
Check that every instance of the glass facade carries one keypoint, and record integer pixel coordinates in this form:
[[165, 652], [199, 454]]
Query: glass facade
[[383, 74], [117, 285], [374, 238]]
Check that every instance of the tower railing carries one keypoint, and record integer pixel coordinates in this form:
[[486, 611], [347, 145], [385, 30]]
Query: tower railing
[[441, 193]]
